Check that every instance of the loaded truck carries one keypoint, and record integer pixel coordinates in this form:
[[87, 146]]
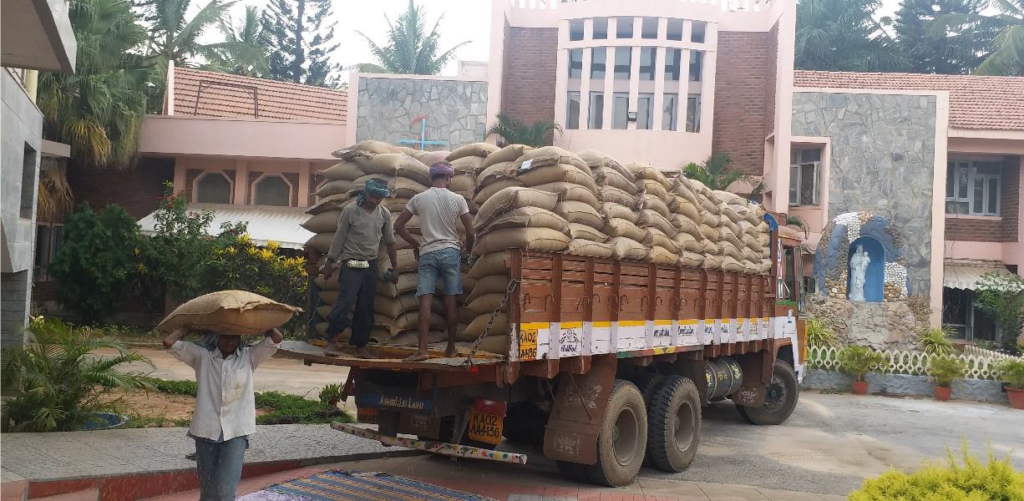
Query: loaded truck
[[608, 365]]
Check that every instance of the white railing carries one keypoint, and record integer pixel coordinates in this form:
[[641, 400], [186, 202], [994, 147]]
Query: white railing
[[727, 5], [915, 363], [976, 351]]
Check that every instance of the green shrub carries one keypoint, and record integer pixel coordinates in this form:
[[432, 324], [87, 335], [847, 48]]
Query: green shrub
[[820, 333], [973, 480], [58, 384], [944, 370], [858, 360], [1001, 295], [1012, 372], [330, 395], [95, 266], [289, 409], [935, 341], [189, 388]]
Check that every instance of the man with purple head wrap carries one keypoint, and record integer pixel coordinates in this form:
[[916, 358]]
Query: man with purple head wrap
[[440, 255]]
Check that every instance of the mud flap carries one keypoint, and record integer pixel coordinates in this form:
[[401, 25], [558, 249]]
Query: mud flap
[[575, 421]]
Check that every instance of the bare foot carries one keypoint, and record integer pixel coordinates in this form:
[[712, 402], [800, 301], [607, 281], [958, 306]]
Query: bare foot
[[320, 343], [450, 351], [363, 352], [417, 357]]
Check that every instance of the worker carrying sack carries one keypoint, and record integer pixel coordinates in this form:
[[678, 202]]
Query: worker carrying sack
[[235, 313]]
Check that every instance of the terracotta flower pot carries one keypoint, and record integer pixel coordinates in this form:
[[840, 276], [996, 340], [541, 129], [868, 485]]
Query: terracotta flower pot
[[860, 387], [943, 393], [1016, 397]]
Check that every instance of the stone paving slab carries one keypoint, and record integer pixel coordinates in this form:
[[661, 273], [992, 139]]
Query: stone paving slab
[[84, 454]]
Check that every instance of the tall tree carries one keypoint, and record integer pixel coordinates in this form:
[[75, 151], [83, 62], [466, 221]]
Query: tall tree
[[1005, 55], [98, 110], [244, 49], [958, 52], [843, 35], [410, 49], [301, 40]]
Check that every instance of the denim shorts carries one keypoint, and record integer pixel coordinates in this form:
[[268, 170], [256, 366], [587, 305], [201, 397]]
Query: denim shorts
[[443, 264]]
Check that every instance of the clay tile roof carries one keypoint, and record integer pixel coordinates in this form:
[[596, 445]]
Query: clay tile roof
[[975, 102], [277, 100]]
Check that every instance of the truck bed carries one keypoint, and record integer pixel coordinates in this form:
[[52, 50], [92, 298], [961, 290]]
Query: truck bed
[[389, 357]]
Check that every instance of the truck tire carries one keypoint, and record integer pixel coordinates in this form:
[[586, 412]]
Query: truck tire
[[674, 424], [524, 424], [780, 398], [622, 441], [573, 472], [647, 383]]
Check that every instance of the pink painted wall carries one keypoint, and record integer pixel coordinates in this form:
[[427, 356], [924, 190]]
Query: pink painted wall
[[249, 138]]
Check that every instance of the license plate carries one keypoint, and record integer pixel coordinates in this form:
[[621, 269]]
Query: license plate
[[485, 427]]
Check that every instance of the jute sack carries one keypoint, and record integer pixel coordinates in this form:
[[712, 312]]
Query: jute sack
[[644, 171], [401, 187], [511, 198], [476, 327], [626, 248], [597, 159], [708, 206], [606, 176], [410, 321], [688, 242], [494, 284], [747, 214], [712, 248], [691, 259], [327, 283], [406, 262], [725, 234], [753, 244], [485, 193], [650, 218], [766, 266], [588, 248], [568, 192], [655, 204], [661, 255], [730, 250], [713, 262], [406, 283], [232, 312], [467, 165], [622, 228], [698, 188], [751, 268], [496, 172], [393, 307], [333, 202], [731, 264], [324, 222], [363, 148], [395, 165], [611, 194], [728, 197], [510, 153], [712, 220], [334, 188], [585, 232], [486, 303], [395, 205], [749, 255], [345, 335], [552, 155], [538, 239], [652, 187], [727, 211], [345, 171], [407, 150], [321, 242], [472, 150], [429, 158], [526, 217], [580, 213], [328, 297], [463, 184], [685, 208], [763, 240], [559, 173], [490, 344], [489, 264], [412, 338], [683, 188], [710, 233], [610, 210], [656, 238]]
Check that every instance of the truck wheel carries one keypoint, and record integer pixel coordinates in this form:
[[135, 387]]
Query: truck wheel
[[524, 424], [780, 398], [674, 424], [622, 441], [647, 383], [573, 472]]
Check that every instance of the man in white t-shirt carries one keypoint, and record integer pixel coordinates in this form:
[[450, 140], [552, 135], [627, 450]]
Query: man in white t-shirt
[[440, 256]]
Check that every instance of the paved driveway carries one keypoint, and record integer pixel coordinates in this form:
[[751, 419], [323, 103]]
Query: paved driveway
[[833, 441]]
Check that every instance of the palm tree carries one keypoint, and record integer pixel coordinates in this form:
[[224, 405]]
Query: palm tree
[[99, 109], [410, 49], [1006, 56], [843, 35], [515, 131], [244, 49], [716, 174], [59, 381]]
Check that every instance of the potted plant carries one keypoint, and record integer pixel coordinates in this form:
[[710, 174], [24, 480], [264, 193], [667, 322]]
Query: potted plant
[[944, 370], [857, 361], [1013, 375]]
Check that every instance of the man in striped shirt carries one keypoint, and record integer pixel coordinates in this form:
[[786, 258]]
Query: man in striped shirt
[[440, 256]]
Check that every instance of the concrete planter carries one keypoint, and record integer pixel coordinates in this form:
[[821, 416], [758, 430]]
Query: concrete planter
[[978, 390]]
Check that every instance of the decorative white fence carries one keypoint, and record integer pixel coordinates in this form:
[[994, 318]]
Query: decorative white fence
[[981, 364], [970, 349]]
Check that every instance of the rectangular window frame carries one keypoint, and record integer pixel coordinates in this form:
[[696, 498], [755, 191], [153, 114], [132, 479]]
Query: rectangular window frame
[[596, 74], [572, 120], [624, 27], [648, 70], [618, 98], [645, 111], [796, 168], [955, 168], [600, 28], [616, 67], [575, 65], [670, 112], [595, 105]]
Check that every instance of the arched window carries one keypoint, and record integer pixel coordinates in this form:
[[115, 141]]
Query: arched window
[[213, 188], [272, 190]]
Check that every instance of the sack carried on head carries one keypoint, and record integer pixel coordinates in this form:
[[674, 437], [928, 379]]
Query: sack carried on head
[[235, 313]]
